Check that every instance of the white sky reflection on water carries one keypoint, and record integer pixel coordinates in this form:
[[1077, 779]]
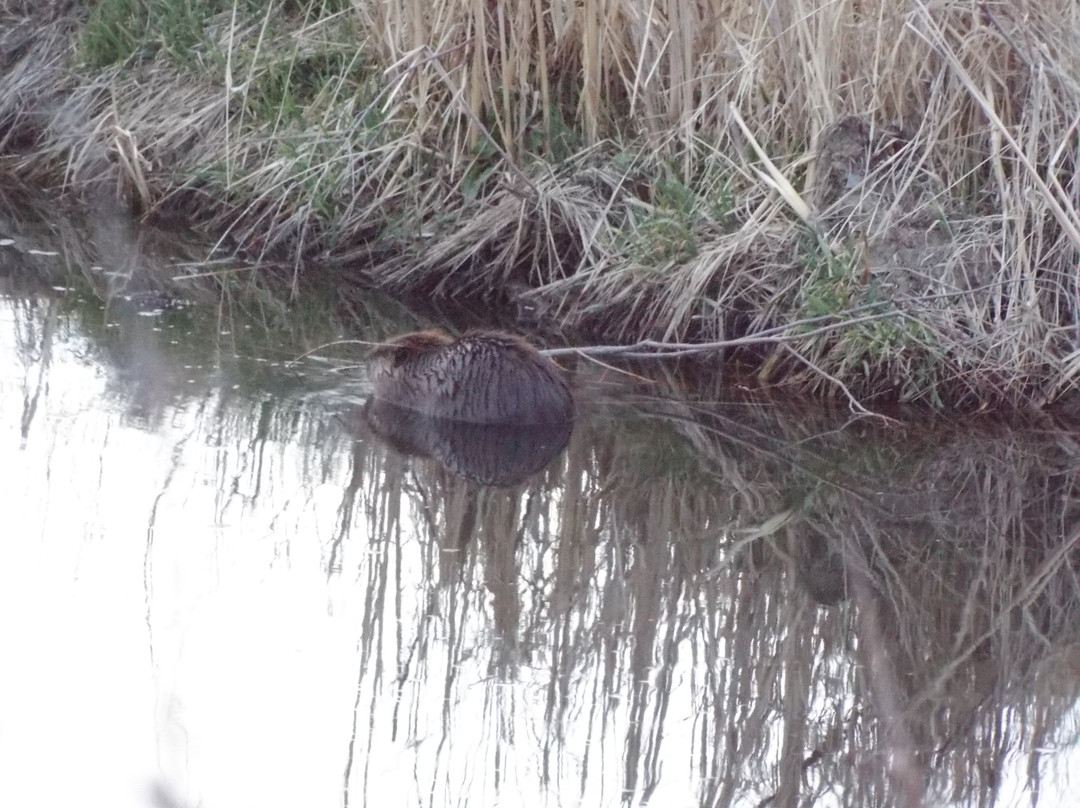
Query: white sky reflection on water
[[222, 655], [172, 633], [210, 659]]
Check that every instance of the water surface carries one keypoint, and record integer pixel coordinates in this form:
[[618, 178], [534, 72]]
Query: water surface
[[219, 586]]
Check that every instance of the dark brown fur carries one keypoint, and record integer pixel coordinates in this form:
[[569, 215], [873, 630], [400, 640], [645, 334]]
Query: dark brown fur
[[483, 377]]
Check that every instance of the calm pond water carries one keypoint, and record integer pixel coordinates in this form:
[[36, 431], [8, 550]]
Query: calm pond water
[[223, 582]]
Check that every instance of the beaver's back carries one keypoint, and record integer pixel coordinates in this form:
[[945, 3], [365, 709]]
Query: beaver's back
[[482, 377]]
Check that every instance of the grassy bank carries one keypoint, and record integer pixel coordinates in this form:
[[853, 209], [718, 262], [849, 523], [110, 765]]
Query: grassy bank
[[887, 190]]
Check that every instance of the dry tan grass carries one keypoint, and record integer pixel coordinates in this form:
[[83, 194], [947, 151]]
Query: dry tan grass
[[665, 170], [950, 206]]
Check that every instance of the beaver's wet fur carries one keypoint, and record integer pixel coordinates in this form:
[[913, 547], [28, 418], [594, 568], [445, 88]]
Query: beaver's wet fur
[[482, 377]]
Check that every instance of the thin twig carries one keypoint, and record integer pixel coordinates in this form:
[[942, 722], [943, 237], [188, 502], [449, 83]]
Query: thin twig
[[856, 406], [653, 349]]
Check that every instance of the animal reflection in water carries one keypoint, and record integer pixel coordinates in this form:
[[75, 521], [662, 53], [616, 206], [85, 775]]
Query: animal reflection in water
[[483, 377], [487, 406]]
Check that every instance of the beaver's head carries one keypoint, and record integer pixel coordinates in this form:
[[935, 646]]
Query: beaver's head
[[394, 353]]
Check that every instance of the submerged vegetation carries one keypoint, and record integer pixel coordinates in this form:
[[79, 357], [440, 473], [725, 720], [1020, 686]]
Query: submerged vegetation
[[887, 190]]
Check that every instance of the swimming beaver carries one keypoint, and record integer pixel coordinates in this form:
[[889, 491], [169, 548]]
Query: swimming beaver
[[483, 377]]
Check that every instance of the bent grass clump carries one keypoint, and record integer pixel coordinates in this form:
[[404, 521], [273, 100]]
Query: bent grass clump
[[637, 171]]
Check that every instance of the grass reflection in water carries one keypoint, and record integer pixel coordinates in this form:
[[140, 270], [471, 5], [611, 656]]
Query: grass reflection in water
[[694, 604]]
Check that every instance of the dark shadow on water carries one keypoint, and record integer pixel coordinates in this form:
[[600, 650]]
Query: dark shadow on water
[[487, 454]]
